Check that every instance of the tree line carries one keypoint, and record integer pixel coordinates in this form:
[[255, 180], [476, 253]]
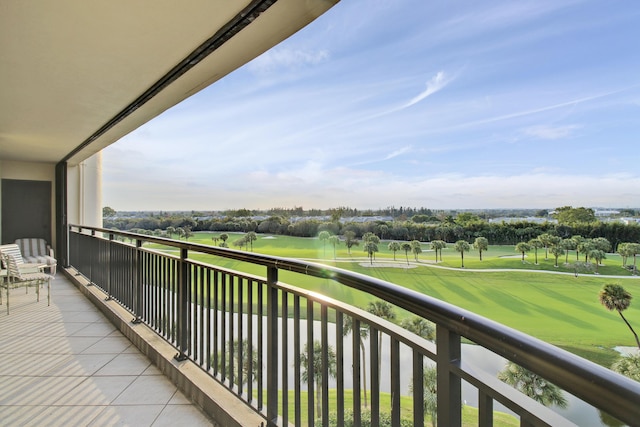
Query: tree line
[[449, 229]]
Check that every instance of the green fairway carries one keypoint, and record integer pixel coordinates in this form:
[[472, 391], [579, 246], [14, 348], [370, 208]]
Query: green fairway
[[558, 308]]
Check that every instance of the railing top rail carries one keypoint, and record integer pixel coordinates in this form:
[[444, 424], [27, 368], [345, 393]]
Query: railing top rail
[[578, 376]]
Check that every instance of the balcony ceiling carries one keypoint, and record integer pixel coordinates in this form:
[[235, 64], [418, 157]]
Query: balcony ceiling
[[72, 72]]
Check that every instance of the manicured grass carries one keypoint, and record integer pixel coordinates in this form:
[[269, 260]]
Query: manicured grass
[[469, 413], [558, 308]]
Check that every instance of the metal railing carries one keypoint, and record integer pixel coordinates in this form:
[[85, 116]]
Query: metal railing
[[298, 357]]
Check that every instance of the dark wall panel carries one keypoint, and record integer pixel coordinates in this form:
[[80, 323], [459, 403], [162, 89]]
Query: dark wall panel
[[26, 210]]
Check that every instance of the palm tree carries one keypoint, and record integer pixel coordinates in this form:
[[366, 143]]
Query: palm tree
[[615, 297], [384, 310], [438, 245], [335, 241], [416, 248], [536, 244], [324, 236], [419, 326], [556, 251], [534, 386], [585, 247], [317, 368], [462, 246], [481, 244], [251, 237], [568, 245], [578, 239], [602, 244], [250, 371], [370, 248], [350, 240], [429, 393], [347, 327], [171, 231], [634, 250], [597, 255], [546, 242], [523, 247], [187, 233], [394, 247], [625, 252], [406, 247]]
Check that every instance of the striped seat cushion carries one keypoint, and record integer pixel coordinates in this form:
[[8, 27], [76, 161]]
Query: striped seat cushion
[[36, 251]]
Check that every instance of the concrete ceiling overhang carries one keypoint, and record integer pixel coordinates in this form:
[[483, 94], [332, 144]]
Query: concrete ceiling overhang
[[77, 75]]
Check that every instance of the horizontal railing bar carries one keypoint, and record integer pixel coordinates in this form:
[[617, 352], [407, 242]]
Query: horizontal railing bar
[[506, 395]]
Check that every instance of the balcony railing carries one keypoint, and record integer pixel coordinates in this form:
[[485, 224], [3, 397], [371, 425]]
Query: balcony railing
[[298, 357]]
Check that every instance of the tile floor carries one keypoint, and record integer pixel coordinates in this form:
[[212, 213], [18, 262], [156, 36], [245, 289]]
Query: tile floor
[[66, 365]]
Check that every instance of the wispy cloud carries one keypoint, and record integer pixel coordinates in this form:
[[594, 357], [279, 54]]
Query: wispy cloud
[[280, 58], [550, 132], [435, 84], [398, 152]]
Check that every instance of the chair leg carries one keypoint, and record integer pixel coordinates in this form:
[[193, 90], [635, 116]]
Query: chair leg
[[48, 292], [38, 291], [7, 300]]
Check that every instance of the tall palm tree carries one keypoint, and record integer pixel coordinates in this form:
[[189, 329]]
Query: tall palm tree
[[624, 252], [462, 246], [416, 248], [347, 328], [523, 247], [545, 238], [250, 371], [438, 245], [384, 310], [481, 244], [429, 393], [394, 247], [615, 297], [568, 245], [335, 241], [419, 326], [324, 236], [536, 244], [598, 255], [406, 247], [317, 368], [578, 239], [534, 386], [251, 237], [556, 251], [370, 248], [350, 240]]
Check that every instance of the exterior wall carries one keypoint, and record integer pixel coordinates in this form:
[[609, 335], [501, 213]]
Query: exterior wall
[[84, 192], [31, 172]]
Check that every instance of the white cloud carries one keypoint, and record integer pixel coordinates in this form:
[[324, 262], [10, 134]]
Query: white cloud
[[550, 132], [435, 84], [279, 58]]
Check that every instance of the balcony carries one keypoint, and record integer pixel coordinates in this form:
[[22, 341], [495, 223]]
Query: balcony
[[203, 311], [66, 364]]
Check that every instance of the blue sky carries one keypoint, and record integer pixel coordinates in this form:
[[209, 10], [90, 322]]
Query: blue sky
[[444, 105]]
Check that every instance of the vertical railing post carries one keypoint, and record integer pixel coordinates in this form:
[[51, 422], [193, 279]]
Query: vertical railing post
[[272, 347], [137, 283], [182, 306], [109, 266], [449, 384]]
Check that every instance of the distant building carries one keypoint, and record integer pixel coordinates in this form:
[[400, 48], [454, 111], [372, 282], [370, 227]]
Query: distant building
[[606, 213], [533, 219]]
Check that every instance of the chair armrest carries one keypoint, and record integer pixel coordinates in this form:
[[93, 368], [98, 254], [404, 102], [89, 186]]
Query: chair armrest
[[50, 251]]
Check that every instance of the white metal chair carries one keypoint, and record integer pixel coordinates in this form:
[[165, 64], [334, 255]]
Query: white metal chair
[[17, 278]]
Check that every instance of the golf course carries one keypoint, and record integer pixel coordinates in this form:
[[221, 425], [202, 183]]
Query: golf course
[[556, 304]]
